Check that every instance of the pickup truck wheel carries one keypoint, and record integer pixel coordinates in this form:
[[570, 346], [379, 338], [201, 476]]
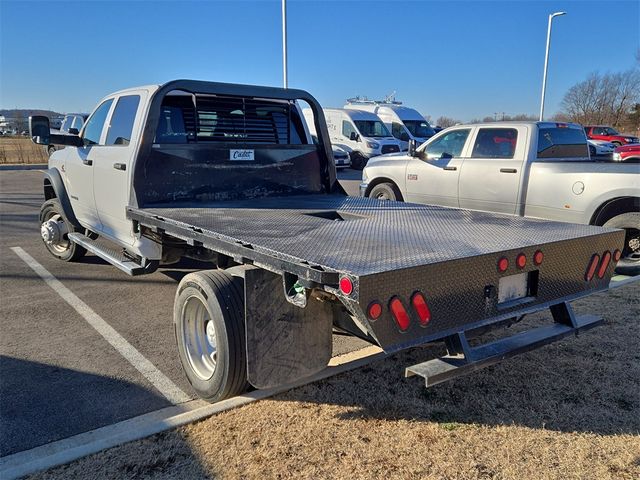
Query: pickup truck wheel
[[629, 264], [50, 150], [616, 143], [385, 191], [54, 230], [208, 317]]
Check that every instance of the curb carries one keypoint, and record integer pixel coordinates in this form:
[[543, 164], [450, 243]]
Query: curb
[[24, 166]]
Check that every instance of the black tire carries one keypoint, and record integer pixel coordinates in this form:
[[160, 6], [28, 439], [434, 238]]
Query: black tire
[[358, 160], [222, 297], [629, 264], [50, 150], [63, 249], [385, 191], [616, 143]]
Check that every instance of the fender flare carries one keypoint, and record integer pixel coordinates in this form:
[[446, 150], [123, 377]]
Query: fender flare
[[55, 180]]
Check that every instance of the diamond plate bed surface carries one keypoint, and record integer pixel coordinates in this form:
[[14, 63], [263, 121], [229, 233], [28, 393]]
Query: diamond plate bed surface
[[364, 236]]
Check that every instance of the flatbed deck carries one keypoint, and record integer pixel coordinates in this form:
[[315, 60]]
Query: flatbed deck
[[357, 236]]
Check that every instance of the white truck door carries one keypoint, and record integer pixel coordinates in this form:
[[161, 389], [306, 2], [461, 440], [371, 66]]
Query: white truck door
[[432, 178], [79, 168], [490, 175], [113, 168]]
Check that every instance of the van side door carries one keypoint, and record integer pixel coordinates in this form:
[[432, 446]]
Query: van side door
[[491, 175], [79, 167], [111, 182]]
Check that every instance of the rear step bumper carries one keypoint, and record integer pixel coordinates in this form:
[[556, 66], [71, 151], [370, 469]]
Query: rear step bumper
[[115, 258], [463, 359]]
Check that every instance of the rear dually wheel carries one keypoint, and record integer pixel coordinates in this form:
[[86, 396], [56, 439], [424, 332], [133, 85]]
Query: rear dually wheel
[[209, 326], [629, 264]]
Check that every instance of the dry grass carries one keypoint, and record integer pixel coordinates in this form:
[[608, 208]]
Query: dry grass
[[21, 150], [569, 410]]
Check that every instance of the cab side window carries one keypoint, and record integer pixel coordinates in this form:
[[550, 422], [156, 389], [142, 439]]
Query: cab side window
[[122, 120], [495, 143], [448, 146], [347, 128], [95, 124]]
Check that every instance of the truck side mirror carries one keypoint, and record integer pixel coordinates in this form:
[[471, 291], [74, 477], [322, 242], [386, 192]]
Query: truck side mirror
[[412, 148], [39, 130], [353, 136]]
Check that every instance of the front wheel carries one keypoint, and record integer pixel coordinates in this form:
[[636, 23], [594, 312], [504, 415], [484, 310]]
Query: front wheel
[[208, 317], [385, 191], [629, 263], [54, 230]]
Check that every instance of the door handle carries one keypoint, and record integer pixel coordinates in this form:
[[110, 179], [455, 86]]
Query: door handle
[[508, 170], [120, 166], [86, 161], [450, 168]]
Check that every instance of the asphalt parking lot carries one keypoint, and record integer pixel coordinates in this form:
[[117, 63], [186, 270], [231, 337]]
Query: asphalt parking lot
[[63, 371]]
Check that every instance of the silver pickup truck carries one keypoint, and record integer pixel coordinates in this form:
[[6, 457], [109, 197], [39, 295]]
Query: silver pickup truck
[[532, 169]]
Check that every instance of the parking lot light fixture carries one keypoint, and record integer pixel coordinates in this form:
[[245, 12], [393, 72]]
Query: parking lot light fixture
[[546, 61]]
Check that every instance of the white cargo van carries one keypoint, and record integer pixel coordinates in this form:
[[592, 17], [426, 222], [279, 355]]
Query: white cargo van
[[361, 133], [404, 123]]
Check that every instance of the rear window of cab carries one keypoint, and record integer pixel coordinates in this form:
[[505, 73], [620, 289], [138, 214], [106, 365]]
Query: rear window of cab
[[562, 142]]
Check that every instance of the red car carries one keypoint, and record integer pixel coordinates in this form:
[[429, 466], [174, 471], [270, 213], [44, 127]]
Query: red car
[[627, 153], [609, 134]]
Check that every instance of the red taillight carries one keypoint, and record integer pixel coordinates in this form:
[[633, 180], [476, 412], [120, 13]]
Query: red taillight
[[422, 309], [617, 254], [503, 264], [593, 264], [521, 261], [400, 315], [604, 264], [538, 257], [374, 310], [346, 285]]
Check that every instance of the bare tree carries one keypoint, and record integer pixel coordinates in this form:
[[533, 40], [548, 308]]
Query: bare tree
[[446, 122], [603, 99]]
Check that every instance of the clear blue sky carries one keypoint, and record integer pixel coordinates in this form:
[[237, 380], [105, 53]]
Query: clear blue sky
[[460, 59]]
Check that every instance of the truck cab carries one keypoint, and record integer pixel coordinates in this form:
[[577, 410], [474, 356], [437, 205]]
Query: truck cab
[[404, 123], [363, 134]]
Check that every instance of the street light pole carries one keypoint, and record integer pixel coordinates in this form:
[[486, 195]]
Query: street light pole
[[284, 42], [546, 61]]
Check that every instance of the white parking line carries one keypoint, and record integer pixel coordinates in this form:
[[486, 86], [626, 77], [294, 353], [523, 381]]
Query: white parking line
[[158, 379]]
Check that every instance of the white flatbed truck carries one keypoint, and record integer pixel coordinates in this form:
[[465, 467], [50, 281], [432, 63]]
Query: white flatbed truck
[[229, 175]]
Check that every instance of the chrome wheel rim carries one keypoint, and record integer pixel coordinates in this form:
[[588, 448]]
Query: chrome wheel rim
[[54, 233], [199, 338]]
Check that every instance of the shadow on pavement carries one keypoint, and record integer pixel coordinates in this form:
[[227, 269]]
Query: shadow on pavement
[[41, 403]]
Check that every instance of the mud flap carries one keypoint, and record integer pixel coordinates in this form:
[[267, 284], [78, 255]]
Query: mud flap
[[284, 342]]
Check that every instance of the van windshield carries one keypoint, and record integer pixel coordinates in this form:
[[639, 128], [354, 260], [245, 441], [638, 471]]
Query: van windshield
[[419, 128], [372, 128]]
